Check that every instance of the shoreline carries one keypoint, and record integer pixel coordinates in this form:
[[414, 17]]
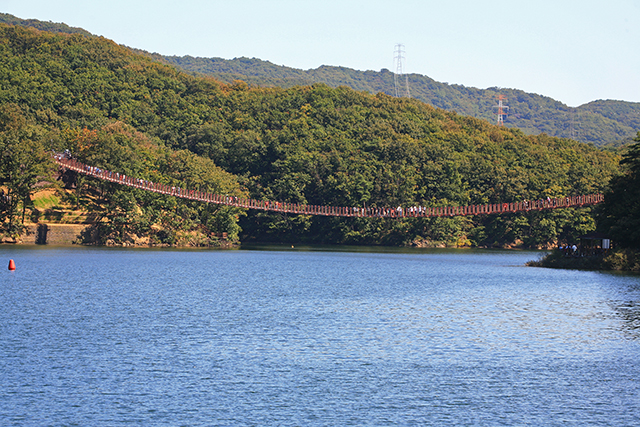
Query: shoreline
[[80, 234], [55, 234], [621, 260]]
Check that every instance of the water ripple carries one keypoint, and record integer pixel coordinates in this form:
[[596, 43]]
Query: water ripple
[[145, 337]]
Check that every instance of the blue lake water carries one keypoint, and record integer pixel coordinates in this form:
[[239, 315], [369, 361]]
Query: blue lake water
[[313, 337]]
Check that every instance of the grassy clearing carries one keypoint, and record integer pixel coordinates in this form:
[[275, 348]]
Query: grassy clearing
[[52, 206], [47, 199]]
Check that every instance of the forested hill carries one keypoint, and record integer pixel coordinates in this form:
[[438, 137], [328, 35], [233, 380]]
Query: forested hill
[[311, 144], [598, 122], [53, 27]]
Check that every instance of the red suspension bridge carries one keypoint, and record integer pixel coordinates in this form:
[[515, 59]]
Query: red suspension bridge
[[295, 208]]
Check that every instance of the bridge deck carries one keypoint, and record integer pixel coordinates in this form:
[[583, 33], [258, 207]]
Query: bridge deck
[[294, 208]]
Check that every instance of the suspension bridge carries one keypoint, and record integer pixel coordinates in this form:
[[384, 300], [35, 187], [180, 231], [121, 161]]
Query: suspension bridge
[[340, 211]]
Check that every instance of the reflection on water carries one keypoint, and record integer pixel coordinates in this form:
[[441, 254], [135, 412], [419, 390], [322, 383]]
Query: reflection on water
[[629, 313], [313, 336]]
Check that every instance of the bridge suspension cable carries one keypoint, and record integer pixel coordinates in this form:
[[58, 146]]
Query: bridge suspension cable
[[303, 209]]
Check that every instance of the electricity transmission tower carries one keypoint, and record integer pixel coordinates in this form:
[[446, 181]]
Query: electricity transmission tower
[[575, 127], [399, 76], [502, 109]]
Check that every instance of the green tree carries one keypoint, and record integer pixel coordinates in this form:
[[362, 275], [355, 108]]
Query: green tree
[[23, 161], [620, 215]]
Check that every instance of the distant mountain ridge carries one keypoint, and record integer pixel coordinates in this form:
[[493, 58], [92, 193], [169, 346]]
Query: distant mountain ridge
[[601, 122], [53, 27]]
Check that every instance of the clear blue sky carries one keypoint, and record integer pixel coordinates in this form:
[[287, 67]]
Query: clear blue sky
[[574, 51]]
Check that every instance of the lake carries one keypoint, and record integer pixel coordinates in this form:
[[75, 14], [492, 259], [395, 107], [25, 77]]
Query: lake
[[313, 336]]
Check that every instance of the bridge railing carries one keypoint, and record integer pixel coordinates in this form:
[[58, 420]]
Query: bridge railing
[[368, 212]]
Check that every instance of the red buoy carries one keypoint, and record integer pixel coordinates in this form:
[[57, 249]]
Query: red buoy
[[12, 265]]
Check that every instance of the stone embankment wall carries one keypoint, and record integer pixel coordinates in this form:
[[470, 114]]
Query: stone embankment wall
[[53, 234]]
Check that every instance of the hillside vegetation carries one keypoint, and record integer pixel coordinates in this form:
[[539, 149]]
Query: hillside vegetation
[[53, 27], [598, 122], [602, 122], [305, 144]]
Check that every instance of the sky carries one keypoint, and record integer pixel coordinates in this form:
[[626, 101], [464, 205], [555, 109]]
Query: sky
[[574, 51]]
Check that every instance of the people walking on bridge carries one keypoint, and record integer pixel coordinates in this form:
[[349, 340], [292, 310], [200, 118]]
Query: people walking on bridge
[[65, 160]]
